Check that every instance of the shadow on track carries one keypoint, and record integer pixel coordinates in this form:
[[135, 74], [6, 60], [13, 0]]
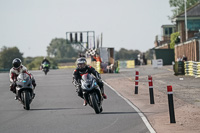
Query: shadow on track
[[53, 109], [118, 112]]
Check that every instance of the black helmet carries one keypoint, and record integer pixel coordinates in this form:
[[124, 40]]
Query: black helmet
[[16, 63], [81, 63]]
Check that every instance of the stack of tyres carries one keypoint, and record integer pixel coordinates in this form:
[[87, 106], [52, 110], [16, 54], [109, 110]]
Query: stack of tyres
[[196, 67], [189, 69]]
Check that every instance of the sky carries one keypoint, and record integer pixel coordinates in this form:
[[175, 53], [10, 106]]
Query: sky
[[32, 24]]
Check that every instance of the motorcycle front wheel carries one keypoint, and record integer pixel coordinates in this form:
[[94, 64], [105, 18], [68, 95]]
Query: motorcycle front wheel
[[26, 98], [95, 104]]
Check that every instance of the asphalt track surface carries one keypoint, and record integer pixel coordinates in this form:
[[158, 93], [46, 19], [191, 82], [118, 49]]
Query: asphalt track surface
[[57, 109]]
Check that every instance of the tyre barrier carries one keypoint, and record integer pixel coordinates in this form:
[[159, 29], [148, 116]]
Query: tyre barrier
[[192, 68], [196, 70], [189, 68]]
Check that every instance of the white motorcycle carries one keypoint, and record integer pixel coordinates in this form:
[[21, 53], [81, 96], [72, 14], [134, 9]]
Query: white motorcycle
[[92, 92], [24, 90]]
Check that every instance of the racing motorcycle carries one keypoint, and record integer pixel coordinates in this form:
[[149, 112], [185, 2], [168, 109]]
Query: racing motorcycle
[[24, 90], [45, 67], [92, 92]]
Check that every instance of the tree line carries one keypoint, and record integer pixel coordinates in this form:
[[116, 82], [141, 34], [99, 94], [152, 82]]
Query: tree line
[[58, 51]]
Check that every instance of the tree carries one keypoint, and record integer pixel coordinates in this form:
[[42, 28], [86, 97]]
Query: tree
[[174, 39], [124, 54], [7, 55], [179, 6], [149, 54], [59, 48]]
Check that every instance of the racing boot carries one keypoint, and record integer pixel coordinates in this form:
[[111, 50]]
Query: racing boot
[[16, 97], [33, 96], [104, 95], [85, 103]]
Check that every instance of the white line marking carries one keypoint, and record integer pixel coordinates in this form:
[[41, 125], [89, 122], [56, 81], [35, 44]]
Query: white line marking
[[146, 122], [107, 126]]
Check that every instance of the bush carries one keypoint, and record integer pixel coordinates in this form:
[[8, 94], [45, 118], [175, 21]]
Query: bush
[[174, 39]]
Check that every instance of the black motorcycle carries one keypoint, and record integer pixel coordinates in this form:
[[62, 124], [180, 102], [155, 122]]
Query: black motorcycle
[[45, 67], [24, 90], [92, 92]]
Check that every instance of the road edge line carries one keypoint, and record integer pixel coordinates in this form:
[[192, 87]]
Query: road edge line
[[146, 122]]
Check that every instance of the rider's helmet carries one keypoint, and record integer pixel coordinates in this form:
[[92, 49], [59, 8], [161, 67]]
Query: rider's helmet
[[17, 63], [81, 63]]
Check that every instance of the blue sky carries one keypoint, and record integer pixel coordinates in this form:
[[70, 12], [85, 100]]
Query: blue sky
[[32, 24]]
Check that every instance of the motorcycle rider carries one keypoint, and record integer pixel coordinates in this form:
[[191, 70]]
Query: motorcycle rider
[[15, 71], [81, 69], [45, 60]]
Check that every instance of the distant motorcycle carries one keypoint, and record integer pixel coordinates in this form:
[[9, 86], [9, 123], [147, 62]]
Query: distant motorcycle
[[24, 90], [92, 92], [45, 67]]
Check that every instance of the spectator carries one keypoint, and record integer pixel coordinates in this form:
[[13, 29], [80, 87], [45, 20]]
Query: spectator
[[184, 58], [97, 58], [179, 59]]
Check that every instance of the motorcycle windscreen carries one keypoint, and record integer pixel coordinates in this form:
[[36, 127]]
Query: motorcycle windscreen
[[45, 64], [23, 77], [87, 78]]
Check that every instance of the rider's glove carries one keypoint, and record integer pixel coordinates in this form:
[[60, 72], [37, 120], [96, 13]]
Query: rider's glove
[[34, 85]]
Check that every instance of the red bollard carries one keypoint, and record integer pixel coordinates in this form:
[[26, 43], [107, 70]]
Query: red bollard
[[171, 104], [151, 89], [136, 81]]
